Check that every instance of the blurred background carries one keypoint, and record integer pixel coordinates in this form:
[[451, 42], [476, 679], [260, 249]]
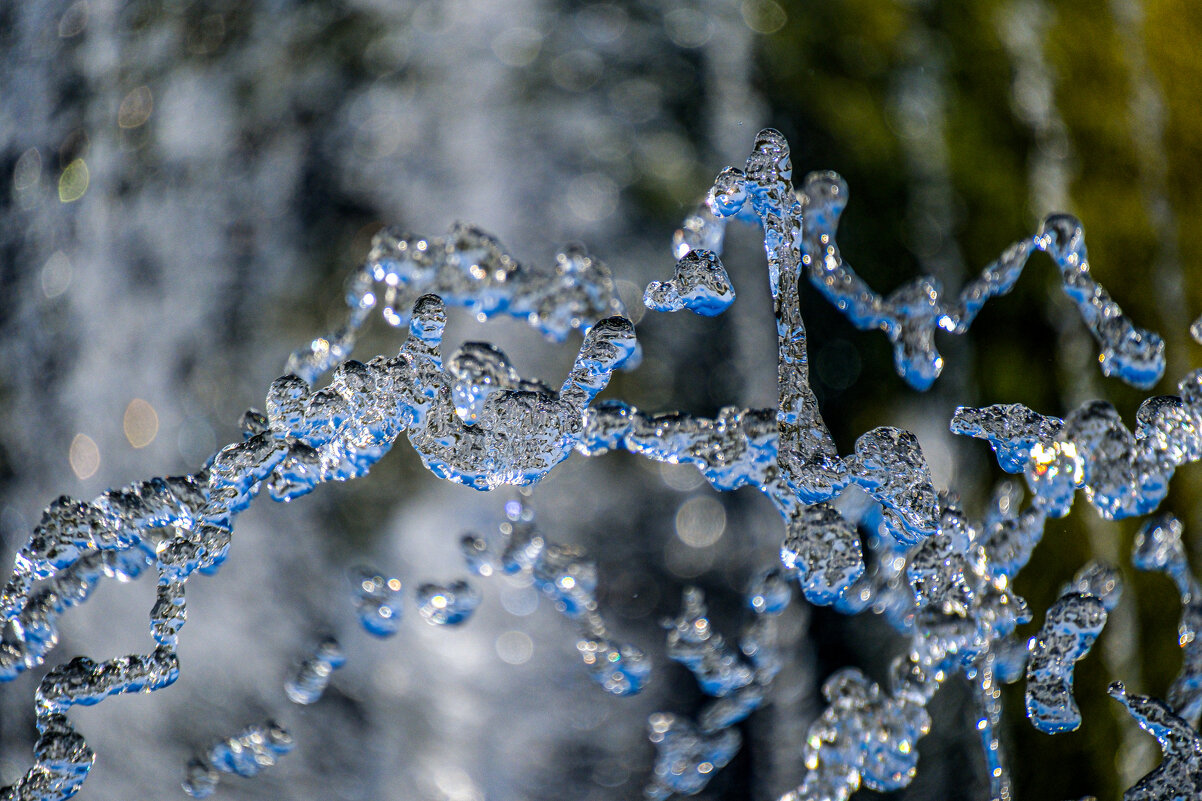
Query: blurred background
[[185, 186]]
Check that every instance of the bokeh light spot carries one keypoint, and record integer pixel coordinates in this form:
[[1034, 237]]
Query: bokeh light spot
[[764, 16], [28, 170], [73, 183], [141, 423], [683, 477], [84, 456], [56, 275], [74, 20], [517, 47], [700, 522], [135, 108], [515, 647]]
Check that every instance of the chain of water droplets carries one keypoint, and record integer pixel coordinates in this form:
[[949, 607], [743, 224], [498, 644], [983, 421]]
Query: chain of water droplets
[[468, 268], [184, 525], [913, 312], [476, 422]]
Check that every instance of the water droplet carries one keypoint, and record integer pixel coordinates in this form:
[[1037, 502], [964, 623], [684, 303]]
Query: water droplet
[[377, 602], [447, 604]]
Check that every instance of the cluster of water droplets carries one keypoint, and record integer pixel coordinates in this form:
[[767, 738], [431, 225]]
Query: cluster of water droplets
[[447, 604], [863, 531], [377, 601], [688, 754], [568, 577], [245, 754], [866, 735]]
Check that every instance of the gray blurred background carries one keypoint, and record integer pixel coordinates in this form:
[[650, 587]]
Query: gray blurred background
[[186, 185]]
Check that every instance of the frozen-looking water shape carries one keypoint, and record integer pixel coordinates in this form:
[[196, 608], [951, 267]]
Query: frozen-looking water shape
[[245, 754], [940, 578], [447, 604], [1124, 474], [314, 672], [824, 551], [1011, 429], [1179, 775], [801, 227], [700, 285], [1069, 630], [1158, 547]]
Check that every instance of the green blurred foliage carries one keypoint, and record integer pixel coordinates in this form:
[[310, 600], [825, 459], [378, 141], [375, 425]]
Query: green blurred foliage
[[830, 78]]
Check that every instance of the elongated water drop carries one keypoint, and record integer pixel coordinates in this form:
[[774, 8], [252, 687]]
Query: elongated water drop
[[313, 675], [1069, 630]]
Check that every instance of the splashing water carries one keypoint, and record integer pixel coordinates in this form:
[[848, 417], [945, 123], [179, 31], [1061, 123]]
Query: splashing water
[[941, 579]]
